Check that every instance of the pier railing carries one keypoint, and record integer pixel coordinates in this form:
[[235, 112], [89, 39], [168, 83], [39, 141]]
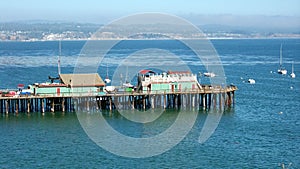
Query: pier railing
[[204, 90]]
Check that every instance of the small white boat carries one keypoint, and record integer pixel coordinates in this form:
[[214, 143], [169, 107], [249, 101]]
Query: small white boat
[[128, 84], [107, 80], [293, 75], [251, 81], [209, 74], [281, 69], [110, 89]]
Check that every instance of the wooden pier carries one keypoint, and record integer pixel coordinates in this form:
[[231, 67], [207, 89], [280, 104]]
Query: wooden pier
[[208, 97]]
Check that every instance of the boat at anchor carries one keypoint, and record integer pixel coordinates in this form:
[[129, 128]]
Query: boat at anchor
[[281, 69]]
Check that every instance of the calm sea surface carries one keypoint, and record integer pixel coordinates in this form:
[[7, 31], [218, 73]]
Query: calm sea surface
[[262, 131]]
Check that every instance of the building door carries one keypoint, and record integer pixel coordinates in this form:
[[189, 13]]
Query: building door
[[58, 91], [172, 87], [149, 88]]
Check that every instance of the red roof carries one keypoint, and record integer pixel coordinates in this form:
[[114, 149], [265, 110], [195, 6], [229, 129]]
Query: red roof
[[179, 72], [146, 71], [20, 85]]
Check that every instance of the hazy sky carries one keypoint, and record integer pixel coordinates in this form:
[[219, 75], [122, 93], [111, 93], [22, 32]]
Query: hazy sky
[[103, 11]]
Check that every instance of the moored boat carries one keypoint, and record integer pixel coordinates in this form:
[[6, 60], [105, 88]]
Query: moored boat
[[281, 69]]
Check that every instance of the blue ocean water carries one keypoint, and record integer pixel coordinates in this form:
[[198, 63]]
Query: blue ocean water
[[262, 131]]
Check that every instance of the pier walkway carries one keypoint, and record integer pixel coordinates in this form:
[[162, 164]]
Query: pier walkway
[[205, 98]]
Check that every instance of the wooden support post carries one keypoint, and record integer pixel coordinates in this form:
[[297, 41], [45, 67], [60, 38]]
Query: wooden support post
[[63, 105], [17, 107], [87, 104], [224, 99], [183, 100], [200, 101], [132, 104], [28, 106], [196, 99], [228, 99], [1, 106], [128, 102], [152, 102], [99, 103], [52, 105], [43, 107], [193, 100], [233, 99], [175, 97], [110, 103], [204, 101], [221, 98], [165, 100], [214, 100], [6, 106], [75, 104], [179, 101], [220, 101], [144, 102], [209, 100], [114, 101], [36, 105], [188, 101], [123, 101]]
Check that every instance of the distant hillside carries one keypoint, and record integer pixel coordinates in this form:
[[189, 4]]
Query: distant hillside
[[48, 26], [247, 23], [49, 30], [212, 28]]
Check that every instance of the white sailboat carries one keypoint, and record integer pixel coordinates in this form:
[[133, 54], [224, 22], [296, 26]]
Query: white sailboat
[[108, 89], [127, 83], [107, 80], [209, 74], [281, 69], [293, 75]]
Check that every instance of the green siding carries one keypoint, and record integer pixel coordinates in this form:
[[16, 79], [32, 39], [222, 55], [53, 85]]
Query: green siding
[[84, 90], [167, 87], [65, 91], [51, 90]]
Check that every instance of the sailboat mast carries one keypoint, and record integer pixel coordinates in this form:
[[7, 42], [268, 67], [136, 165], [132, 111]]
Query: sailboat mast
[[106, 70], [280, 59], [58, 58], [126, 80]]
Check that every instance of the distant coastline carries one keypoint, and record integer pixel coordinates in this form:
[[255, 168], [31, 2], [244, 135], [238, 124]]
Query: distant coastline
[[84, 31], [209, 38]]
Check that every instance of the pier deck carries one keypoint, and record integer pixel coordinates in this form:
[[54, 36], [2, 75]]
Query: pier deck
[[205, 98]]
